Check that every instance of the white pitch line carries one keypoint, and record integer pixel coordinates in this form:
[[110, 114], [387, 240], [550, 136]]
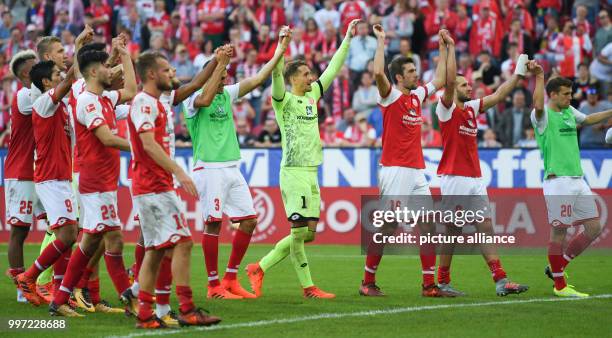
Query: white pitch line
[[354, 314]]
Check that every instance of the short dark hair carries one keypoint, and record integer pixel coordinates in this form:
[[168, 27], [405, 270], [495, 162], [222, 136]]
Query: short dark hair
[[45, 43], [396, 67], [554, 85], [146, 61], [90, 57], [292, 67], [40, 71], [19, 60]]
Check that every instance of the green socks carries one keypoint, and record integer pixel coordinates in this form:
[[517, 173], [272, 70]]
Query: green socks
[[280, 251], [46, 276], [298, 255]]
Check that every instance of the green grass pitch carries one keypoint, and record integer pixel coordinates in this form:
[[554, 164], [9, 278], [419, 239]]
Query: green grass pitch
[[282, 312]]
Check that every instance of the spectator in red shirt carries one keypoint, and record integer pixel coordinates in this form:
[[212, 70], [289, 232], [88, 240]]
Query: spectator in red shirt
[[313, 36], [244, 19], [442, 17], [265, 45], [518, 36], [360, 133], [160, 19], [429, 136], [195, 44], [462, 29], [297, 46], [521, 14], [351, 10], [330, 136], [487, 32], [211, 14], [271, 14], [581, 20], [188, 12], [101, 14], [328, 46], [177, 31]]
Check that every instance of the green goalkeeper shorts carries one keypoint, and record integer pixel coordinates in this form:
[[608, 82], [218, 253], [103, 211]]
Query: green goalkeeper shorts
[[301, 193]]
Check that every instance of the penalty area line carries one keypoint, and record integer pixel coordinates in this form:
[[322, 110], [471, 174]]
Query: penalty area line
[[354, 314]]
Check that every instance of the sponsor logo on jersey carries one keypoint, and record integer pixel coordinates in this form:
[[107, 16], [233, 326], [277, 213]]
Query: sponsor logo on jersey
[[100, 227], [174, 238], [309, 111]]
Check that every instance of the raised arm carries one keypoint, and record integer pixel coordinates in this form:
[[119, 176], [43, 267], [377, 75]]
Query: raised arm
[[382, 82], [538, 94], [64, 87], [597, 117], [506, 88], [130, 87], [84, 38], [196, 83], [440, 75], [155, 151], [278, 80], [210, 87], [248, 84], [451, 70], [339, 57]]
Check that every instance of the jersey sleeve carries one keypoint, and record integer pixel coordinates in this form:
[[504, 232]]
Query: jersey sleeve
[[143, 114], [46, 104], [279, 104], [233, 91], [190, 110], [476, 105], [122, 111], [540, 125], [444, 113], [394, 94], [423, 92], [89, 112], [24, 102], [114, 96], [580, 117]]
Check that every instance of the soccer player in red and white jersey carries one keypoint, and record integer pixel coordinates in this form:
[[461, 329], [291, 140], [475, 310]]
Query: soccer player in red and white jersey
[[459, 166], [52, 174], [163, 283], [402, 163], [22, 204], [162, 223], [98, 156]]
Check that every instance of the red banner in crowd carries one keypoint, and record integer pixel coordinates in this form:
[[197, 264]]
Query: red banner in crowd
[[526, 219]]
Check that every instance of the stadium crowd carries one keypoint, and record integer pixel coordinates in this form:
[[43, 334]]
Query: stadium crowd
[[570, 38]]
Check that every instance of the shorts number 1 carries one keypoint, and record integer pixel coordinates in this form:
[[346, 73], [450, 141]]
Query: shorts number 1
[[303, 202]]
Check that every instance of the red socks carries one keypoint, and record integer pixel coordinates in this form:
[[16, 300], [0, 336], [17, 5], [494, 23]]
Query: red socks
[[428, 263], [163, 285], [210, 246], [444, 274], [85, 277], [145, 300], [15, 271], [59, 268], [372, 261], [78, 262], [185, 298], [139, 253], [240, 244], [576, 246], [94, 291], [496, 270], [50, 255], [557, 264], [116, 271]]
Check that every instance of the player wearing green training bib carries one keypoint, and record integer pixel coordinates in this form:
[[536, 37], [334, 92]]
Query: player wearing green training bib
[[221, 187], [297, 117], [569, 199]]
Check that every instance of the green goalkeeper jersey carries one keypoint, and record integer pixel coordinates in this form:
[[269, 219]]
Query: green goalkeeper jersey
[[557, 138], [297, 116]]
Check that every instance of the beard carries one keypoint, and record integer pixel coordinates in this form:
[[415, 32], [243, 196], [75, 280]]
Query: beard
[[164, 86], [463, 98]]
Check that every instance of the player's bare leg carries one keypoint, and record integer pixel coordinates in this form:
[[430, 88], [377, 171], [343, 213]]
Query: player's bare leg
[[210, 246], [304, 232], [240, 243], [503, 286], [65, 237], [559, 260], [188, 313], [15, 254]]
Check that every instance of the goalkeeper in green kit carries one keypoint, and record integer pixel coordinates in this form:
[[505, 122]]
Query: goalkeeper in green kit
[[297, 117]]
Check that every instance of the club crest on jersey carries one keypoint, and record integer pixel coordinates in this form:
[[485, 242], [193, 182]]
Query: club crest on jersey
[[311, 101], [90, 108], [145, 110], [471, 123]]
